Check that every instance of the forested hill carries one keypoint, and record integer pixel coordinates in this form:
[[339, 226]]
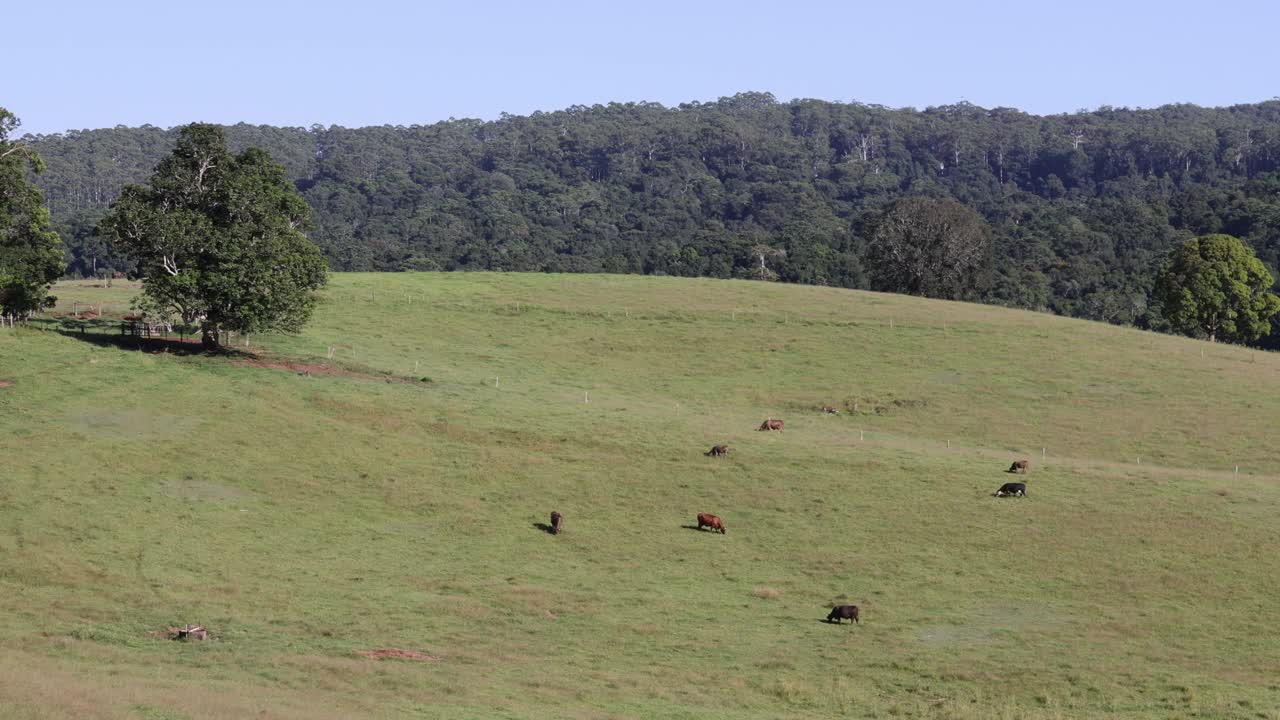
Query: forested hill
[[1083, 207]]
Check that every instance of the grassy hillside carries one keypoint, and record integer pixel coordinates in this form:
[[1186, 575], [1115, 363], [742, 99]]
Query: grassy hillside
[[302, 517]]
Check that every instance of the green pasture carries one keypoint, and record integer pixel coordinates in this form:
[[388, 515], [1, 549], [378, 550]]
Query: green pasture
[[302, 516]]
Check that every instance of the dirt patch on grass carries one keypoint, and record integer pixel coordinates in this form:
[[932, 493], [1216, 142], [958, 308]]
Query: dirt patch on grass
[[6, 383], [395, 654], [314, 369]]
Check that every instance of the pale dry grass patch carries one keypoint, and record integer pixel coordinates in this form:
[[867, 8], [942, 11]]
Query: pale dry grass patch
[[37, 688]]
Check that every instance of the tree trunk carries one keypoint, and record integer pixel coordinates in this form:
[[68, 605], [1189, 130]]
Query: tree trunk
[[210, 336]]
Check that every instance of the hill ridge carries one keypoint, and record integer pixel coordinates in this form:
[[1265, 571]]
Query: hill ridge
[[1084, 207]]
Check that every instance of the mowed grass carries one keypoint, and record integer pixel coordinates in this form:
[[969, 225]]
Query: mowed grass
[[302, 518]]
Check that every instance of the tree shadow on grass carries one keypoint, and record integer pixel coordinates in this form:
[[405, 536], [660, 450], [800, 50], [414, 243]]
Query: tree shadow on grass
[[106, 333]]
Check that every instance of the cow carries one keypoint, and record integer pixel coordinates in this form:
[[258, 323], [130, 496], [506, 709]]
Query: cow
[[711, 521], [771, 424], [830, 410], [718, 451], [557, 522], [843, 612], [1019, 466], [1012, 490]]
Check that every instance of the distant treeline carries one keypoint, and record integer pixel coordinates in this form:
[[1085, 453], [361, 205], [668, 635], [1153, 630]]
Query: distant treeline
[[1083, 207]]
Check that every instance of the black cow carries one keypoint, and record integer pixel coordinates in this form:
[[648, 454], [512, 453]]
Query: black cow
[[843, 612], [557, 522], [1012, 490]]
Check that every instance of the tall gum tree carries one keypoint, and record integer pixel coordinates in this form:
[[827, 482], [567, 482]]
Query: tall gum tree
[[30, 252], [220, 238]]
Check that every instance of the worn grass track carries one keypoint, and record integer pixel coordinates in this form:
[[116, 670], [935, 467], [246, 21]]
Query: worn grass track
[[303, 517]]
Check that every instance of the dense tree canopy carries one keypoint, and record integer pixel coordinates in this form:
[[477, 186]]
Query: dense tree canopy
[[1082, 208], [30, 252], [1214, 286], [935, 248], [219, 238]]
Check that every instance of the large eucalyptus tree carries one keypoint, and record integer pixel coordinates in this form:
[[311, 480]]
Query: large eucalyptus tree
[[220, 238]]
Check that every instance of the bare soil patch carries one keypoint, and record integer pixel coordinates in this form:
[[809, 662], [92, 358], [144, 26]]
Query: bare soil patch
[[6, 383], [396, 654]]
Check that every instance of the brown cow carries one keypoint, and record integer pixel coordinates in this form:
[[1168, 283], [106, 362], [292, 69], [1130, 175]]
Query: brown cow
[[718, 451], [844, 612], [1019, 466], [711, 521], [771, 424], [557, 522], [830, 410]]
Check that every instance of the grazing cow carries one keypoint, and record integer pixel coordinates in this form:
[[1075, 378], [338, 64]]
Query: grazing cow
[[718, 451], [771, 424], [711, 521], [1019, 466], [844, 612], [1012, 490], [830, 410], [557, 522]]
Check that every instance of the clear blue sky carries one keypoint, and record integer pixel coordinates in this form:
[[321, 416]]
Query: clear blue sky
[[91, 64]]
